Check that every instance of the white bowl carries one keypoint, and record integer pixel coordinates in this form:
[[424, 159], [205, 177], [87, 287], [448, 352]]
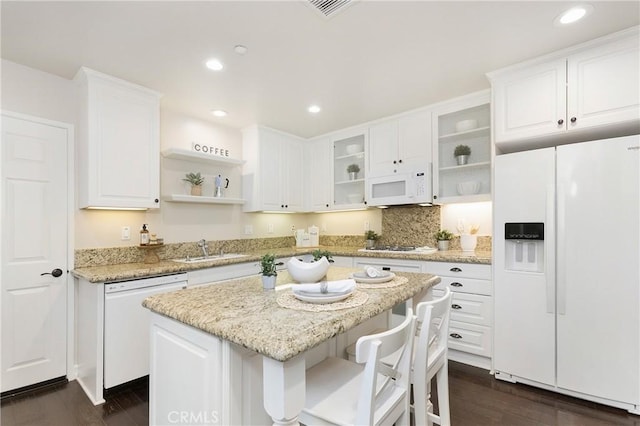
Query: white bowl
[[354, 198], [465, 125], [353, 148], [468, 188], [304, 272]]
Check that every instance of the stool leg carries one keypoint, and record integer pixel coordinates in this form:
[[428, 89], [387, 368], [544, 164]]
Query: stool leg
[[442, 378]]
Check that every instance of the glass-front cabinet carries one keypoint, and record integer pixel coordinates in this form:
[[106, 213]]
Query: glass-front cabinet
[[462, 150], [349, 169]]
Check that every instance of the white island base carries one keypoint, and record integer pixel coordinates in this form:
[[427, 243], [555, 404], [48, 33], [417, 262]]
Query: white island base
[[199, 379]]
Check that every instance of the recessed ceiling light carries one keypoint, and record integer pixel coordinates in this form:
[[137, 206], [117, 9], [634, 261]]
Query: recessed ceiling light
[[219, 113], [240, 49], [572, 15], [314, 109], [214, 64]]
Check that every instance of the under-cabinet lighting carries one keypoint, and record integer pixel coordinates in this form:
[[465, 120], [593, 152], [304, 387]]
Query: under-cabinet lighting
[[117, 208], [383, 207]]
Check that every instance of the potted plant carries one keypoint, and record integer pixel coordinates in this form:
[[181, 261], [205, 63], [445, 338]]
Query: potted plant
[[268, 266], [353, 170], [462, 153], [319, 254], [443, 236], [196, 181], [371, 238]]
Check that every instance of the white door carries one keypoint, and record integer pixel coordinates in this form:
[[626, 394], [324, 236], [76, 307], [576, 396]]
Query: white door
[[598, 285], [34, 242], [383, 148], [531, 102], [414, 148]]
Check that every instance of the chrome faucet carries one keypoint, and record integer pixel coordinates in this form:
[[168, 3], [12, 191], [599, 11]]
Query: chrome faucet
[[204, 246]]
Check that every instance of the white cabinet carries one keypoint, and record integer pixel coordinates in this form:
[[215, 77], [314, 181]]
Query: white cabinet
[[318, 174], [118, 144], [471, 181], [471, 324], [401, 145], [177, 162], [348, 150], [582, 88], [272, 178]]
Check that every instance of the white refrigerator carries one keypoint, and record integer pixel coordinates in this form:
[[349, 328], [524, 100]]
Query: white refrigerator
[[567, 270]]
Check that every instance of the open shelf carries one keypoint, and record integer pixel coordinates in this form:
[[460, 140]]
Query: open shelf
[[480, 131], [466, 166], [180, 198], [348, 182], [183, 154]]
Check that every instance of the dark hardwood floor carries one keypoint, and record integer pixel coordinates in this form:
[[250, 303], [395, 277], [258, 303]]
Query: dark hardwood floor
[[476, 399]]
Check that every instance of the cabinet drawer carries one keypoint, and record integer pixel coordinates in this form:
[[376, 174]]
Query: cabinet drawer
[[450, 269], [470, 308], [474, 339], [465, 285]]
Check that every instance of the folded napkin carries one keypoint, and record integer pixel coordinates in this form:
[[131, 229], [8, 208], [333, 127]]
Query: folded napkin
[[372, 272], [340, 286]]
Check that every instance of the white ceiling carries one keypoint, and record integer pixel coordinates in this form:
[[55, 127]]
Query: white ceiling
[[373, 59]]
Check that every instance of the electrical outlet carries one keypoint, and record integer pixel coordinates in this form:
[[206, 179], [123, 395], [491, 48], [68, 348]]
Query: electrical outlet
[[125, 233], [248, 229], [270, 228], [366, 225], [293, 228], [324, 227]]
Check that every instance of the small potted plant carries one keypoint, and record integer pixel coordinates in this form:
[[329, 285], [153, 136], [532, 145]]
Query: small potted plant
[[353, 170], [319, 254], [371, 238], [444, 237], [462, 153], [196, 181], [268, 266]]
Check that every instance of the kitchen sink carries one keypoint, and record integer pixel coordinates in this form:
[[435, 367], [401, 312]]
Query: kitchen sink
[[209, 258]]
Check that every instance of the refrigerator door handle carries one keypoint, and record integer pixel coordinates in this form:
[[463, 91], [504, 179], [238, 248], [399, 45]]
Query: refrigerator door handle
[[549, 272], [561, 255]]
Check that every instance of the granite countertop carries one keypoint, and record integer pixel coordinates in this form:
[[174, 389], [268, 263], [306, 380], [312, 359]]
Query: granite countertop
[[124, 271], [241, 312]]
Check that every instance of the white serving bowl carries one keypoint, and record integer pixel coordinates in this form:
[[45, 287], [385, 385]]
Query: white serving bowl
[[465, 125], [304, 272], [354, 198], [353, 148], [468, 188]]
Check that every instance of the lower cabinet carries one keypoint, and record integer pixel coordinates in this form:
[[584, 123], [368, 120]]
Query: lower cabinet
[[471, 324]]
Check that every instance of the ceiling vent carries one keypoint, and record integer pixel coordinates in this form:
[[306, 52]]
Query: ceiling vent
[[329, 8]]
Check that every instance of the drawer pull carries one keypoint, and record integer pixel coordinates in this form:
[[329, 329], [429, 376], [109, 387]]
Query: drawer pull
[[386, 268], [455, 269], [456, 284], [455, 336], [456, 306]]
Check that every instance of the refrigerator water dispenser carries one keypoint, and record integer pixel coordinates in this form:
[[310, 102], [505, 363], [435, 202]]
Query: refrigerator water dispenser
[[524, 246]]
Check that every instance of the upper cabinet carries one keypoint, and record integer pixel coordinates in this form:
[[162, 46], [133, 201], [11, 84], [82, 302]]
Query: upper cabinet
[[272, 176], [400, 145], [118, 144], [582, 88], [318, 174], [349, 169], [462, 122]]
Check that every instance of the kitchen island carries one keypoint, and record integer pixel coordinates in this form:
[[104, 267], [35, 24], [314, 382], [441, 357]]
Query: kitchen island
[[224, 353]]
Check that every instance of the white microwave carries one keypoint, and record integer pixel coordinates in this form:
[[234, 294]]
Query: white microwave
[[400, 188]]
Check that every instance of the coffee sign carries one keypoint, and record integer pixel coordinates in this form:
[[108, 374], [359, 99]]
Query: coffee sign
[[211, 150]]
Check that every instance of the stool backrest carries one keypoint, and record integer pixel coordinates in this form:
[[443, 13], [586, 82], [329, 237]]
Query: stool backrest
[[433, 330], [397, 378]]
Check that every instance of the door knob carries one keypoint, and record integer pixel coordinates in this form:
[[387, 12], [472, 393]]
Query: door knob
[[56, 272]]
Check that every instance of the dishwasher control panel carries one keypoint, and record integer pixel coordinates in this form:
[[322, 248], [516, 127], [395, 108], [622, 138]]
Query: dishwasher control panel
[[113, 287]]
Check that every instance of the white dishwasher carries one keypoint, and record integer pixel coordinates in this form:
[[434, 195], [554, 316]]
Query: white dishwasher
[[126, 325]]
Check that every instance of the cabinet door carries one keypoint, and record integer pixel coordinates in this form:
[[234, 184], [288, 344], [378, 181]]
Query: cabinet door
[[270, 169], [531, 102], [318, 174], [121, 159], [604, 86], [414, 146], [291, 175], [383, 148]]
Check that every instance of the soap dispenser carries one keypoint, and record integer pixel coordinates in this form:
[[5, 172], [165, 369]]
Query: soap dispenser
[[144, 235]]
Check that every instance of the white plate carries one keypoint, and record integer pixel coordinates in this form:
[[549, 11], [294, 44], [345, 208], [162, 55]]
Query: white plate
[[322, 299], [362, 277]]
